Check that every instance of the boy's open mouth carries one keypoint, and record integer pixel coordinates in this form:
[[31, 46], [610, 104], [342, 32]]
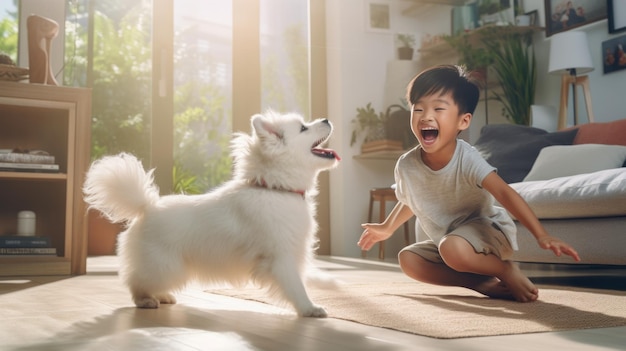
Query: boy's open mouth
[[429, 134]]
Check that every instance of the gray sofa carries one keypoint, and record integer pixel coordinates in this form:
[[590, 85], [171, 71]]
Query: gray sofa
[[575, 182]]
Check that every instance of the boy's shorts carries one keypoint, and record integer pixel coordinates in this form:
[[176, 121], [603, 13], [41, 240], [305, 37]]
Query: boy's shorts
[[484, 237]]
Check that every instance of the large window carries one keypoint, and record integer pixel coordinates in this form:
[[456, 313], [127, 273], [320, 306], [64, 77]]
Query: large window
[[203, 93], [8, 29], [109, 47], [285, 55]]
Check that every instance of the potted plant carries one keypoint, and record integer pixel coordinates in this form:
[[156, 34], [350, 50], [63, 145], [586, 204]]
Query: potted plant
[[406, 46], [370, 122], [475, 58], [381, 129], [515, 64]]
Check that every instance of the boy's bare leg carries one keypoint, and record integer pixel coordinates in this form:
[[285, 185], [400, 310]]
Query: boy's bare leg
[[486, 274], [460, 256], [425, 271]]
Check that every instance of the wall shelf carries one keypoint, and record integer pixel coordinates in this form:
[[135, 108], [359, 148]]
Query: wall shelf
[[420, 6], [474, 38]]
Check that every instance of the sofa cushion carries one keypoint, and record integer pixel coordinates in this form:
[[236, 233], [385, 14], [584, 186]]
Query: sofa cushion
[[512, 148], [565, 160], [597, 194], [610, 133]]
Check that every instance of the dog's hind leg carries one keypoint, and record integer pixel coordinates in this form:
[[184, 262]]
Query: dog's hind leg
[[144, 300], [290, 284], [150, 290], [167, 298]]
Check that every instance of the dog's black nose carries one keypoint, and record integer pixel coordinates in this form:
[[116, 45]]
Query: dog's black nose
[[325, 120]]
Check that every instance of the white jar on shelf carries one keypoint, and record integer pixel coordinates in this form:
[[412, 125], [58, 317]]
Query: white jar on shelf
[[26, 223]]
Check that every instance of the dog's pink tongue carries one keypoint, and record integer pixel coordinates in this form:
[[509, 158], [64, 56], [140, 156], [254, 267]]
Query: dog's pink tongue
[[328, 153], [336, 156]]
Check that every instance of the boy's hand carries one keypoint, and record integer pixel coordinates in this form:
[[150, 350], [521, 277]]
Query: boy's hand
[[373, 233], [557, 246]]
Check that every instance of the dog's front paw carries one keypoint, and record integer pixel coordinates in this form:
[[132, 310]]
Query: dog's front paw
[[146, 302], [315, 312]]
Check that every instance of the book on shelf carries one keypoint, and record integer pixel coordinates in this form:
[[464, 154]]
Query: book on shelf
[[15, 251], [16, 157], [29, 167], [24, 241]]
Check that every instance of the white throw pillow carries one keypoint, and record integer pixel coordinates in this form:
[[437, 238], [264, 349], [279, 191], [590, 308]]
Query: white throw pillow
[[567, 160]]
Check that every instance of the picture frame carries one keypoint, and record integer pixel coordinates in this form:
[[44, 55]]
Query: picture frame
[[616, 15], [378, 16], [563, 15], [534, 18], [613, 54], [464, 18], [496, 11]]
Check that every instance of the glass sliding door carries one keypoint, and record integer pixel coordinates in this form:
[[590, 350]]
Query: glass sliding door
[[202, 93], [284, 31], [9, 27], [108, 48]]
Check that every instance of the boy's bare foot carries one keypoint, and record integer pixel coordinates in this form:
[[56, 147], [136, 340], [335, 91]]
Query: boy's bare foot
[[513, 286], [522, 289], [494, 288]]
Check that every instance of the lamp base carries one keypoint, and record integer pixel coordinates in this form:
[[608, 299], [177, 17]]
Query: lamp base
[[575, 81]]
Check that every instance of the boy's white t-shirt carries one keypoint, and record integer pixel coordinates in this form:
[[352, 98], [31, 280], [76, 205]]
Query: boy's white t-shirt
[[445, 199]]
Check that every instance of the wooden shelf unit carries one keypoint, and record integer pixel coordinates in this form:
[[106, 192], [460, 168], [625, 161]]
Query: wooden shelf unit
[[57, 120]]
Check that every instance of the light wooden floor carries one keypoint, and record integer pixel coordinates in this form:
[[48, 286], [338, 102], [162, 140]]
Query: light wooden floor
[[94, 312]]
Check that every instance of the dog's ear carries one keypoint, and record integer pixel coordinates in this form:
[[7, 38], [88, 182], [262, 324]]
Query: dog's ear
[[265, 128]]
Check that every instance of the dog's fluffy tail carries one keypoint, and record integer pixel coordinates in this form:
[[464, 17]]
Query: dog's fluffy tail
[[119, 187]]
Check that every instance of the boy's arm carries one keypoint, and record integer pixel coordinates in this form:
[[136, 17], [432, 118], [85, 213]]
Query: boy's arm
[[375, 232], [516, 205]]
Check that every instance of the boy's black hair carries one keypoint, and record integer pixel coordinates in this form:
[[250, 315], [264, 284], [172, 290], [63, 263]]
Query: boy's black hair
[[445, 79]]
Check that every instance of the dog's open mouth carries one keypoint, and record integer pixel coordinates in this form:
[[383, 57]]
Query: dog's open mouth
[[325, 153]]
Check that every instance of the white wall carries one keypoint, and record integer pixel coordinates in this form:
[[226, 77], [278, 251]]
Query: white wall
[[357, 61], [357, 64]]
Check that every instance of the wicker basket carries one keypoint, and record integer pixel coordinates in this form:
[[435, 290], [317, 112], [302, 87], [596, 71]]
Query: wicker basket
[[13, 73]]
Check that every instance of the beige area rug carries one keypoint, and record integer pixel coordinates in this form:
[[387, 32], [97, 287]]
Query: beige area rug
[[450, 312]]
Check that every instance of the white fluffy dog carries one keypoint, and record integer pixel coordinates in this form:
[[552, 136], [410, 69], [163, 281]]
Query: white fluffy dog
[[258, 226]]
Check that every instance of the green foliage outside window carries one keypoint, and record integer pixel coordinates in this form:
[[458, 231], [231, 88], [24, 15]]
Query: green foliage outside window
[[122, 93]]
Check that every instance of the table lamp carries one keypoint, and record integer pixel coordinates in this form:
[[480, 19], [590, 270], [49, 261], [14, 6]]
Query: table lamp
[[570, 57]]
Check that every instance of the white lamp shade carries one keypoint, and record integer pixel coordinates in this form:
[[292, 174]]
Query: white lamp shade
[[570, 50]]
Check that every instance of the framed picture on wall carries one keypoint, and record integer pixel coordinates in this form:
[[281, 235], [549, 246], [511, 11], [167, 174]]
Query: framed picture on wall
[[613, 55], [563, 15], [378, 16], [617, 15]]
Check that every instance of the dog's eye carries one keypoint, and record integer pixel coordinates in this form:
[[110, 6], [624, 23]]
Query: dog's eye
[[303, 129]]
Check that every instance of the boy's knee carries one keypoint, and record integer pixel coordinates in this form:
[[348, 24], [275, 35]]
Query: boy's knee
[[404, 258], [455, 252], [411, 264]]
